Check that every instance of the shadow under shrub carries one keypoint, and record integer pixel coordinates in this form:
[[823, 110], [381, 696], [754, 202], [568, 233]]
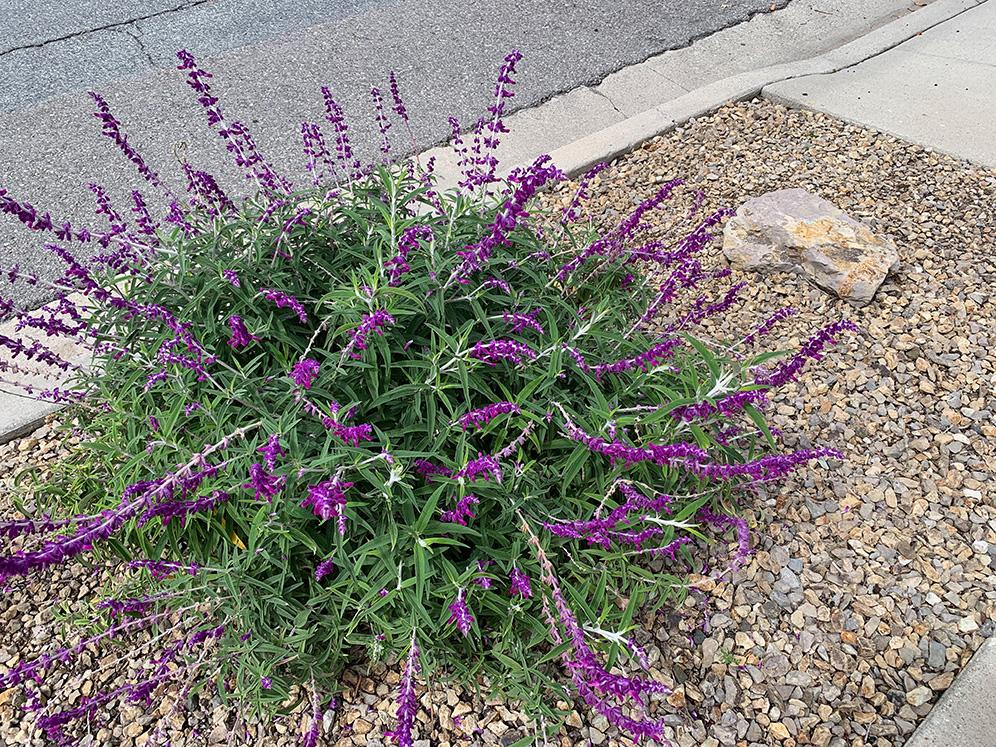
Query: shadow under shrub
[[376, 416]]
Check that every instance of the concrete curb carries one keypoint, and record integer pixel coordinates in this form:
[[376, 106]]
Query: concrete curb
[[624, 136], [25, 419], [20, 415], [965, 715]]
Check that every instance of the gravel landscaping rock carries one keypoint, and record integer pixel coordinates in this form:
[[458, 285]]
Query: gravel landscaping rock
[[871, 584]]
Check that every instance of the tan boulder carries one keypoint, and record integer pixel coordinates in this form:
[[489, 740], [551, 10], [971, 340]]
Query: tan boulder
[[791, 230]]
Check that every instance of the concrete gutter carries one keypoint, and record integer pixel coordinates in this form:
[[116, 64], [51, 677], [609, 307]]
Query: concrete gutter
[[20, 415], [966, 713], [623, 137]]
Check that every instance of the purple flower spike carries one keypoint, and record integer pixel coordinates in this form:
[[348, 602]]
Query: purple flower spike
[[464, 510], [283, 300], [232, 277], [262, 483], [768, 324], [812, 350], [169, 510], [644, 361], [520, 322], [460, 614], [240, 335], [518, 583], [265, 682], [502, 350], [305, 372], [112, 129], [270, 451], [323, 569], [484, 466], [484, 415], [407, 243], [527, 182], [328, 500], [407, 702], [374, 322]]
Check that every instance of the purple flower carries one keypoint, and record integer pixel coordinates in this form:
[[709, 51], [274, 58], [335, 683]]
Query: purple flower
[[527, 182], [518, 583], [427, 469], [653, 356], [520, 322], [407, 702], [169, 510], [374, 322], [399, 104], [663, 455], [482, 416], [614, 241], [499, 284], [350, 434], [763, 469], [603, 530], [270, 451], [335, 116], [483, 581], [383, 125], [238, 141], [265, 682], [90, 530], [190, 408], [240, 335], [812, 350], [112, 129], [407, 243], [460, 614], [304, 372], [313, 142], [262, 483], [600, 689], [479, 169], [323, 569], [502, 350], [327, 500], [284, 300], [463, 510], [722, 522], [232, 277], [485, 466], [768, 324], [728, 406]]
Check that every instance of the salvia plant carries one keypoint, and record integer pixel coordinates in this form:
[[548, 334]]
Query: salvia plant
[[368, 416]]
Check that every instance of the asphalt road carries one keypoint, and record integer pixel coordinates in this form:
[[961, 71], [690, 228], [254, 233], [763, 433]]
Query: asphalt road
[[269, 58]]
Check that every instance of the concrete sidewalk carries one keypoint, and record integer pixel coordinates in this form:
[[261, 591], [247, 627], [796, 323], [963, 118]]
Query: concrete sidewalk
[[937, 89], [966, 715]]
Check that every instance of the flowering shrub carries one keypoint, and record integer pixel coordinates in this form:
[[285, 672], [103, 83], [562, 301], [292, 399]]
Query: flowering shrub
[[444, 426]]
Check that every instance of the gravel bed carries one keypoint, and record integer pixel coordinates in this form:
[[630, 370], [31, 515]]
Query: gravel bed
[[871, 585]]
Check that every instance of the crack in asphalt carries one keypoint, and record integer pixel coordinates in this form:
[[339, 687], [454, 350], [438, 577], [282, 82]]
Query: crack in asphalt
[[116, 26], [137, 36]]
